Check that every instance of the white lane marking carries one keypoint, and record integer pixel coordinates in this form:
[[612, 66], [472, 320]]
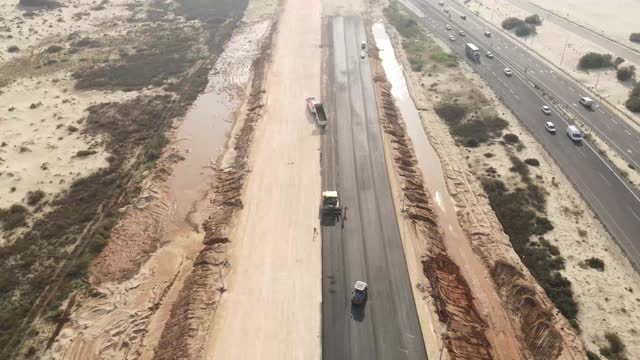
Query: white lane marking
[[517, 98], [627, 131], [629, 151], [605, 179], [600, 110], [614, 121], [634, 214]]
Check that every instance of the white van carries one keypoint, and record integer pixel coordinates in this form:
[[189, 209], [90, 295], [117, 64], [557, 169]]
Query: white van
[[574, 133]]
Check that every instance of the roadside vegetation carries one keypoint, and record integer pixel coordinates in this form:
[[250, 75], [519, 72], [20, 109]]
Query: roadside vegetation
[[624, 73], [635, 37], [633, 102], [592, 60], [422, 52], [521, 27], [473, 131], [615, 349]]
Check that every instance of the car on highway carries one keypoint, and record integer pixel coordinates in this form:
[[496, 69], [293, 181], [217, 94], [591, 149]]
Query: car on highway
[[447, 27], [452, 38], [490, 55], [461, 33], [487, 33], [463, 17], [359, 294], [550, 127], [508, 71], [546, 110], [441, 3], [363, 45], [446, 11], [586, 102], [362, 55]]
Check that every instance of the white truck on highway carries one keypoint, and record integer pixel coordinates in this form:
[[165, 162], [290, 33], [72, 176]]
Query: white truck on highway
[[473, 52], [587, 102], [574, 133]]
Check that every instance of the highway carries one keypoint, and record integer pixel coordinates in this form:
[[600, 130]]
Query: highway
[[616, 203], [367, 245]]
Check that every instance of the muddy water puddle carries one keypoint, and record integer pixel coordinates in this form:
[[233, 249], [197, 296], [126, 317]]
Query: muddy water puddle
[[428, 160], [201, 136]]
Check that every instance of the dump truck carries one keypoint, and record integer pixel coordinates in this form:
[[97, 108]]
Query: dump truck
[[317, 110], [472, 52]]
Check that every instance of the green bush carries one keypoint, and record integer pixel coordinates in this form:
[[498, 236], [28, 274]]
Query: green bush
[[511, 138], [517, 214], [625, 73], [615, 349], [593, 60], [54, 49], [635, 37], [633, 102], [34, 197], [13, 49], [511, 23], [14, 217], [532, 162], [533, 19], [595, 263], [525, 30], [618, 61], [452, 113]]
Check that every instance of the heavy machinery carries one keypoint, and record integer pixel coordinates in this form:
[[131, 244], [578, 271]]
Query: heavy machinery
[[330, 210]]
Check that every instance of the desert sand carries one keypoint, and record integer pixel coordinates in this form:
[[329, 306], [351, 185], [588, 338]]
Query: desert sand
[[135, 311]]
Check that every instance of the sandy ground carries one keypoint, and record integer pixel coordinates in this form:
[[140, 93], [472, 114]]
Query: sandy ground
[[41, 114], [273, 294], [549, 43], [31, 32], [617, 19], [39, 144], [607, 300], [134, 312]]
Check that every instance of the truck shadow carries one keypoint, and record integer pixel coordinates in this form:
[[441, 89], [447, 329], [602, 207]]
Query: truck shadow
[[357, 311]]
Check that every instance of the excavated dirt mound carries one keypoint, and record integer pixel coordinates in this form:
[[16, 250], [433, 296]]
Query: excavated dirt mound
[[197, 302], [466, 338]]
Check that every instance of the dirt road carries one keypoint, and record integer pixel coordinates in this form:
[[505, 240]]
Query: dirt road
[[272, 307]]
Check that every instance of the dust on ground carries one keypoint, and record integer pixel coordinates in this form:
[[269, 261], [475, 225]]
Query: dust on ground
[[577, 234]]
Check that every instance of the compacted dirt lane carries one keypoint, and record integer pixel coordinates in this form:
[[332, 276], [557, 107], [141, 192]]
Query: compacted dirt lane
[[271, 309]]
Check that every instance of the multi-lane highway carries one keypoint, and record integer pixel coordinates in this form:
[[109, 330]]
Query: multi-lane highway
[[367, 245], [615, 202]]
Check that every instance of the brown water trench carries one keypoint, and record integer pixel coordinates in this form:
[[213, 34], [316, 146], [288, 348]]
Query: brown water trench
[[202, 136], [428, 160]]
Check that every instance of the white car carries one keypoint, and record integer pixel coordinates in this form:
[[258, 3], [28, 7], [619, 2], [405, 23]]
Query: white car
[[362, 55], [487, 34], [448, 27], [452, 38], [446, 11], [587, 102], [490, 55], [461, 33], [550, 127], [441, 3], [546, 110], [508, 72]]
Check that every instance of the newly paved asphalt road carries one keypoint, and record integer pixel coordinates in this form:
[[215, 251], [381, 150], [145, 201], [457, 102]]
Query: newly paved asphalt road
[[615, 202], [368, 247]]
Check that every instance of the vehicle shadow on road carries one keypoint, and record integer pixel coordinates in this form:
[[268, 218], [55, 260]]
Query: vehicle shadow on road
[[357, 312]]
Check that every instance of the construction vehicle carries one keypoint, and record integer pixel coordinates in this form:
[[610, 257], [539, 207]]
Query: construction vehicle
[[317, 110], [330, 210], [359, 294]]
